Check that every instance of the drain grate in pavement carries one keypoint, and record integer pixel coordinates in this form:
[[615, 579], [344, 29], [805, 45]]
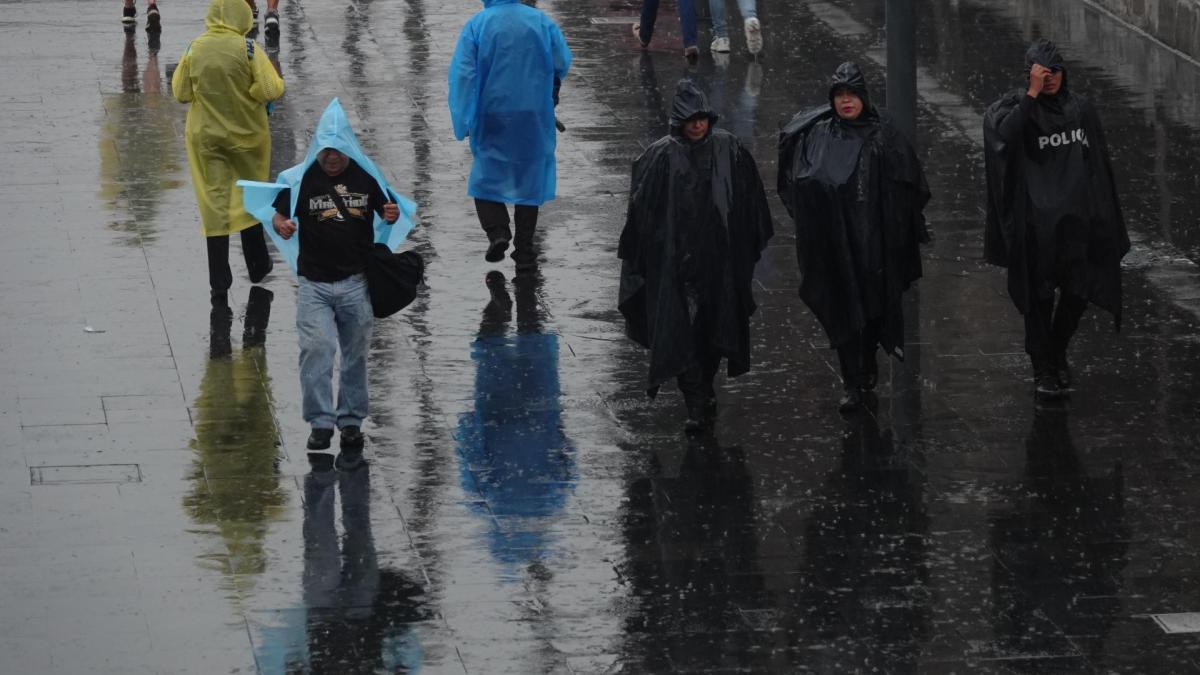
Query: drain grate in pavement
[[85, 473], [1183, 622], [615, 19]]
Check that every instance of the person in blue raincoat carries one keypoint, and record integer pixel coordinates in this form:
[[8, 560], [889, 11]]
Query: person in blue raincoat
[[337, 204], [504, 78]]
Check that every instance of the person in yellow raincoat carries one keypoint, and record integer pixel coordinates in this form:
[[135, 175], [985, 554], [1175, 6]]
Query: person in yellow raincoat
[[229, 83]]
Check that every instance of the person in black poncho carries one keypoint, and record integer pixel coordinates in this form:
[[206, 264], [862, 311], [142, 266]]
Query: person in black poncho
[[696, 225], [852, 182], [1053, 218]]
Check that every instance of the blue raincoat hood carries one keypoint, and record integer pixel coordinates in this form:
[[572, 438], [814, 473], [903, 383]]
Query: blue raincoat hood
[[333, 131]]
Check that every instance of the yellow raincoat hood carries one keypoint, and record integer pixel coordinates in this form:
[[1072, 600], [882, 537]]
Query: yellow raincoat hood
[[228, 81], [229, 15]]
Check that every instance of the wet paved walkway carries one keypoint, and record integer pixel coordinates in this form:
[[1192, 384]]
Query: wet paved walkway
[[525, 509]]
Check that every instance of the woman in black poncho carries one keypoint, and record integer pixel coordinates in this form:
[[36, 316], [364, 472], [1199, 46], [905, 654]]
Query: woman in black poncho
[[853, 184]]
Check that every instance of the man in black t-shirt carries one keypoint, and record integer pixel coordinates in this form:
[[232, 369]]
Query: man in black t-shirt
[[333, 310]]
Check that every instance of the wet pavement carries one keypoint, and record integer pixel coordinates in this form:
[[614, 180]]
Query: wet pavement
[[525, 509]]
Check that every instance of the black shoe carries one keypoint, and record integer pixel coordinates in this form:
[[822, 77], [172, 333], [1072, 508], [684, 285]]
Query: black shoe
[[129, 17], [349, 460], [1047, 388], [351, 437], [319, 438], [1062, 370], [271, 25], [851, 401], [496, 249], [153, 20], [218, 298]]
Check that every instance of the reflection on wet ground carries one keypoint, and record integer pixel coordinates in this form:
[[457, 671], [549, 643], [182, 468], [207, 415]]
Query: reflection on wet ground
[[524, 508]]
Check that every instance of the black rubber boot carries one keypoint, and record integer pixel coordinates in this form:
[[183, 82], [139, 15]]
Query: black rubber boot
[[524, 254]]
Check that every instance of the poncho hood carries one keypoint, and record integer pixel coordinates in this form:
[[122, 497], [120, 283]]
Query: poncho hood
[[850, 76], [689, 102], [229, 15], [1045, 53], [333, 131]]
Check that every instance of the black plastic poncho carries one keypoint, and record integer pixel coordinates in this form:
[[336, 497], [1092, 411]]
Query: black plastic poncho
[[1053, 217], [696, 225], [856, 192]]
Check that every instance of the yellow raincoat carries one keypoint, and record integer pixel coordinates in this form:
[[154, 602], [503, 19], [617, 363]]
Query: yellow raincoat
[[227, 135]]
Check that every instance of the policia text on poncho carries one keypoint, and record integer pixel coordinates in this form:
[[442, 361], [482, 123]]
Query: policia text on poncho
[[856, 192], [1053, 218], [696, 225]]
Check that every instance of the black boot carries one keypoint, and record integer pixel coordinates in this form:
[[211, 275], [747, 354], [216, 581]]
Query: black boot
[[493, 218], [524, 254], [1045, 381], [497, 245]]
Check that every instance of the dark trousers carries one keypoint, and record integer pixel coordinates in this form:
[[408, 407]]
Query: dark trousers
[[1049, 326], [696, 382], [254, 249], [493, 218], [856, 356]]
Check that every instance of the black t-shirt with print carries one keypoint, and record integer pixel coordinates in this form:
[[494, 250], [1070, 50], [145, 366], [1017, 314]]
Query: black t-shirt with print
[[334, 245]]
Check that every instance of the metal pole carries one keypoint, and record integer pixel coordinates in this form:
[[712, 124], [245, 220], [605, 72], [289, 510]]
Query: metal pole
[[901, 28]]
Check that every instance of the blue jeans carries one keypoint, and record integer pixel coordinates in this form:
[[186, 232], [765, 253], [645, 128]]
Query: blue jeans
[[687, 21], [717, 9], [329, 316]]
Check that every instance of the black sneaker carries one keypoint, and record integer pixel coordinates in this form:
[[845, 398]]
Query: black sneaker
[[271, 25], [496, 249], [153, 20], [319, 438], [129, 16], [351, 437]]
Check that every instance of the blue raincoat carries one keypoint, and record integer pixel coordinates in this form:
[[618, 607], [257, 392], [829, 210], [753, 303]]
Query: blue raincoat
[[333, 131], [502, 97]]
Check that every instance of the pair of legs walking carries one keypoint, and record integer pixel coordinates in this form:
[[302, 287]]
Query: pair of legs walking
[[330, 317], [860, 371], [720, 28], [493, 217], [644, 30], [696, 381], [254, 249], [1049, 326]]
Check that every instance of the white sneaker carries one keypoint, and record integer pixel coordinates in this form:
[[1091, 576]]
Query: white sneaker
[[754, 41], [720, 45]]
